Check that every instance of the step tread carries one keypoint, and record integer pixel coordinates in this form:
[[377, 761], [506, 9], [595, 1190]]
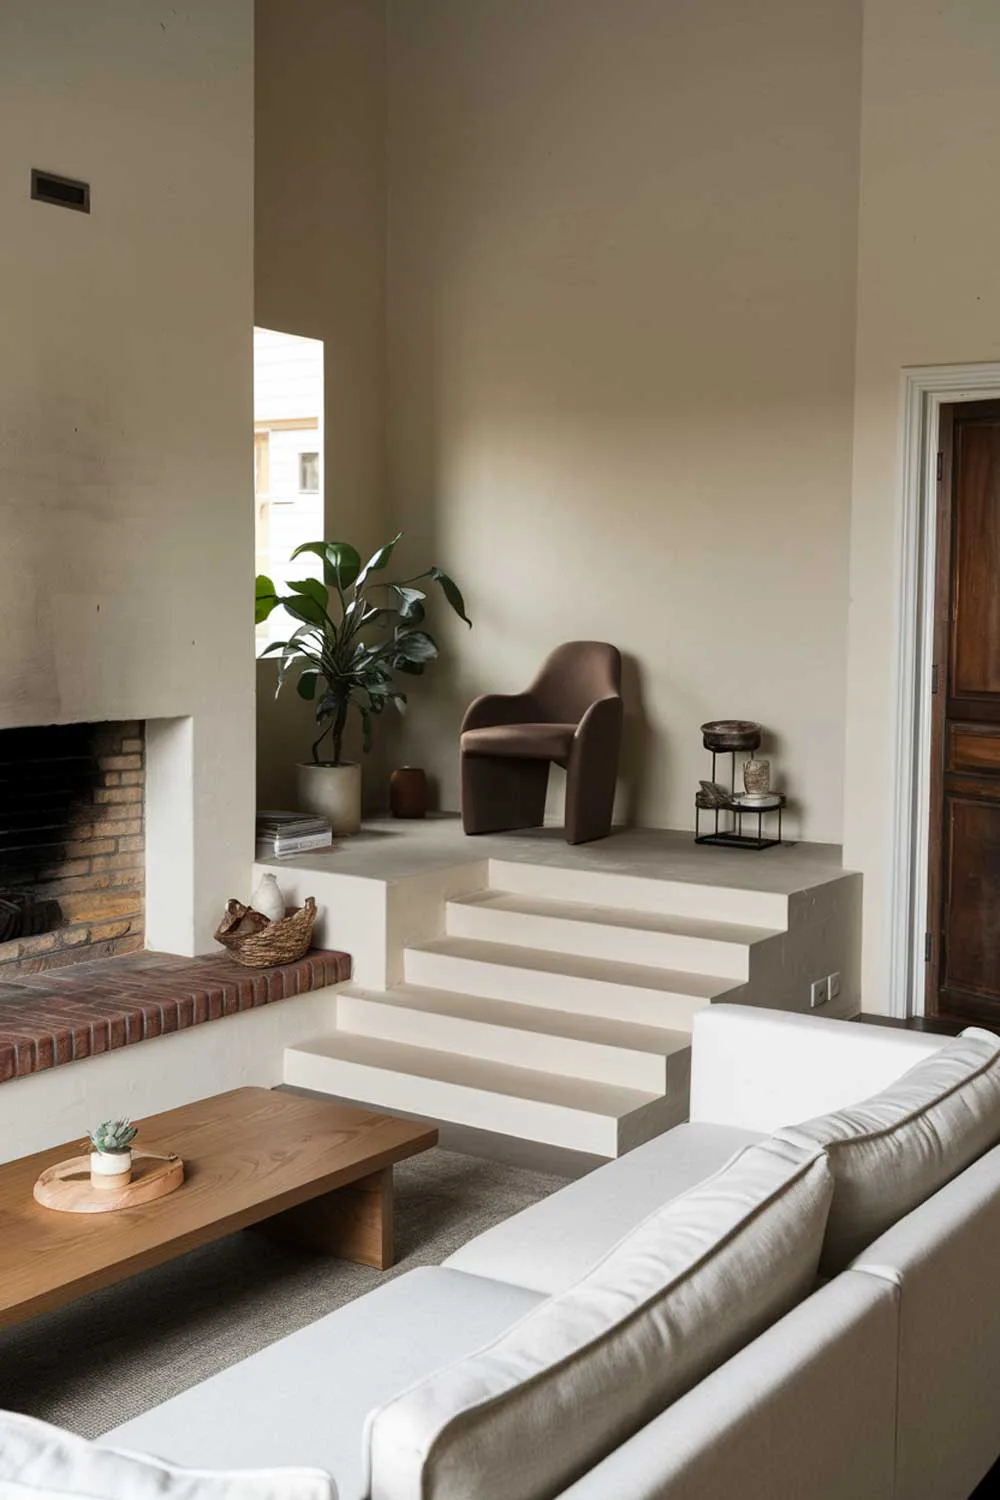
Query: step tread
[[578, 966], [614, 916], [513, 1016], [611, 1101], [642, 891]]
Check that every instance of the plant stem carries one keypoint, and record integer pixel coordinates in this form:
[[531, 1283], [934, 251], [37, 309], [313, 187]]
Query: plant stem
[[317, 743]]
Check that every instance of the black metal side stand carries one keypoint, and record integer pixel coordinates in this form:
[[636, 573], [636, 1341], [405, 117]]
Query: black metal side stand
[[731, 834]]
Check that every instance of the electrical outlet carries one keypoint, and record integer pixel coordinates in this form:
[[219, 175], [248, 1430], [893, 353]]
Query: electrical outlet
[[834, 983], [819, 992]]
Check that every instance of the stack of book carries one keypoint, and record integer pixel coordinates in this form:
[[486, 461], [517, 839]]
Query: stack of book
[[282, 833]]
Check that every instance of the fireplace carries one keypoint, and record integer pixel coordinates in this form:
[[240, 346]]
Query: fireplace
[[72, 841]]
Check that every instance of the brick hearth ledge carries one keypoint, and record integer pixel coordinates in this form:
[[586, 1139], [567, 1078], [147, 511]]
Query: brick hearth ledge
[[66, 1014]]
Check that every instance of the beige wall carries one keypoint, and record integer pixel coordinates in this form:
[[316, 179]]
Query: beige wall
[[929, 293], [622, 257], [319, 270], [125, 478]]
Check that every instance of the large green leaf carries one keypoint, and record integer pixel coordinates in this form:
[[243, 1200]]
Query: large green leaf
[[314, 589], [415, 645], [341, 561], [265, 598], [411, 668], [376, 562], [411, 604], [452, 593], [305, 607], [306, 686], [345, 561], [318, 549]]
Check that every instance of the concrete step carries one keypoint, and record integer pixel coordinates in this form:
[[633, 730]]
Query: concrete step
[[564, 982], [677, 898], [692, 944], [648, 1058], [578, 1114]]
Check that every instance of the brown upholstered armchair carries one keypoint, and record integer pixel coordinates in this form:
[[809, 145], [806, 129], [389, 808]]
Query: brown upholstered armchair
[[571, 714]]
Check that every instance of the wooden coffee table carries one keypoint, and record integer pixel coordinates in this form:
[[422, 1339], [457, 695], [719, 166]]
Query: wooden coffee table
[[309, 1171]]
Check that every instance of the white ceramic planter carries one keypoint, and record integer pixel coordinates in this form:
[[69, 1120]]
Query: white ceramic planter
[[110, 1170], [331, 792]]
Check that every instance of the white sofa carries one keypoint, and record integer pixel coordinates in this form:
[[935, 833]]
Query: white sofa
[[881, 1383]]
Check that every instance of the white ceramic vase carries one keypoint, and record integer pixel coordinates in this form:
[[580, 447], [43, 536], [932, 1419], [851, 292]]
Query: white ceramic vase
[[331, 792], [110, 1170], [267, 898]]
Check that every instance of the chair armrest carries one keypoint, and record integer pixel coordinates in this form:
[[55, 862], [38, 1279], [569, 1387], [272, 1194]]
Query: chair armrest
[[500, 708], [761, 1069], [604, 716]]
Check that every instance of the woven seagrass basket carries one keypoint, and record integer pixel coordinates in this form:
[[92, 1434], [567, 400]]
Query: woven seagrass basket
[[259, 944]]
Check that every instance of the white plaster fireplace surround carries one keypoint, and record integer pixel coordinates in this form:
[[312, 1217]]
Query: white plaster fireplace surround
[[126, 494]]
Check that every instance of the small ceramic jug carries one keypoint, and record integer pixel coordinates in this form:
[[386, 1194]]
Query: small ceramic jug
[[267, 898], [757, 777]]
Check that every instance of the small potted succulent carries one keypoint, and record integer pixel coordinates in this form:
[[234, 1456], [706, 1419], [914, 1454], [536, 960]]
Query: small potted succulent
[[111, 1156]]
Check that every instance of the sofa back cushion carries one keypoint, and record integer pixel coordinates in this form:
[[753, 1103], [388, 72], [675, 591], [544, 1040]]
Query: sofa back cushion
[[693, 1283], [39, 1462], [891, 1152]]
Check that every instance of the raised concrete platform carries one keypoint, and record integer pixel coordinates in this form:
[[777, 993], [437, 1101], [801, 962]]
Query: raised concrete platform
[[514, 984]]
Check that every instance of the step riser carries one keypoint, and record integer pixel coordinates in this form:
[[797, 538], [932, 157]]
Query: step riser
[[383, 1088], [598, 1062], [664, 950], [561, 992], [669, 898]]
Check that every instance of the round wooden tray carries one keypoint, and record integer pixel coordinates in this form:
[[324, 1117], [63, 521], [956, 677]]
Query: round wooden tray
[[67, 1186]]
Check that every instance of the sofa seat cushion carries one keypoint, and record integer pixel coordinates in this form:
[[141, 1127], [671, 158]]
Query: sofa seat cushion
[[39, 1462], [892, 1151], [303, 1400], [525, 741], [555, 1242], [583, 1371]]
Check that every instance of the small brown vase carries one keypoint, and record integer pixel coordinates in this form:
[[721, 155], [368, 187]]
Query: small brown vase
[[408, 792]]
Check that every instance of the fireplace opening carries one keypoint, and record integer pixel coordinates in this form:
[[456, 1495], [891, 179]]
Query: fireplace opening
[[72, 841]]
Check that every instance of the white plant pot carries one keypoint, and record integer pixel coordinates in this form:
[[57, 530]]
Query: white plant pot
[[110, 1170], [331, 792]]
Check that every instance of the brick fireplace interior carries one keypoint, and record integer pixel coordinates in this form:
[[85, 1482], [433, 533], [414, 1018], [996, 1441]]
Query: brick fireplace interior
[[72, 805]]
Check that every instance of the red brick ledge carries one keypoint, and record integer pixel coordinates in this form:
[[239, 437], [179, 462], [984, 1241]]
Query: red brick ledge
[[63, 1015]]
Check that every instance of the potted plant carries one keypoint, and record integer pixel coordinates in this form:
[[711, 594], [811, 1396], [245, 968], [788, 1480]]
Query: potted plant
[[356, 633], [111, 1157]]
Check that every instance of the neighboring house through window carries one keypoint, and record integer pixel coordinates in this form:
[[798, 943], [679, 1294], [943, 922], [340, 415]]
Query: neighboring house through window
[[288, 461], [308, 472]]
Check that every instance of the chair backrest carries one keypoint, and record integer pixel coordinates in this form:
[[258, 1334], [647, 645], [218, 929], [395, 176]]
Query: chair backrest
[[574, 676]]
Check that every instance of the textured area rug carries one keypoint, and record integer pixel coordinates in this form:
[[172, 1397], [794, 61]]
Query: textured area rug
[[116, 1353]]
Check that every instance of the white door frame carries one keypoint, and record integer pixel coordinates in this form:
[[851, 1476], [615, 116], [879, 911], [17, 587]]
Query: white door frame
[[926, 389]]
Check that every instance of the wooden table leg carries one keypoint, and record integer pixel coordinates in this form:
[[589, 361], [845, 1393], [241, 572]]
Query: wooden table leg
[[353, 1223]]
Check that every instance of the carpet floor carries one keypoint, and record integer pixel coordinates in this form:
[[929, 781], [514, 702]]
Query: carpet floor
[[116, 1353]]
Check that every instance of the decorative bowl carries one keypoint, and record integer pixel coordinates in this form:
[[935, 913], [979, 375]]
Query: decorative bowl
[[730, 734]]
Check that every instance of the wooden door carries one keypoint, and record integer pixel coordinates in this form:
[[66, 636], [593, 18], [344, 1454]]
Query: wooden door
[[963, 940]]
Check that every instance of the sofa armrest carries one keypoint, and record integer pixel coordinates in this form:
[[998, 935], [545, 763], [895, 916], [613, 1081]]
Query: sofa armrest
[[805, 1410], [761, 1069], [500, 708], [942, 1260]]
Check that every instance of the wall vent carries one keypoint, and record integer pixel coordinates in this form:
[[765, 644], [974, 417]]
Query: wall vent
[[64, 192]]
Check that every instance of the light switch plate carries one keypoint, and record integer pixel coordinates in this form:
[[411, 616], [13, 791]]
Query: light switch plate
[[819, 992]]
